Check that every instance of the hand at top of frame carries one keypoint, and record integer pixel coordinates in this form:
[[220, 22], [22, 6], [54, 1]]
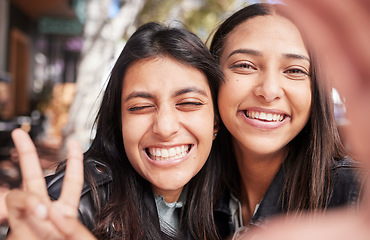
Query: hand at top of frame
[[340, 31]]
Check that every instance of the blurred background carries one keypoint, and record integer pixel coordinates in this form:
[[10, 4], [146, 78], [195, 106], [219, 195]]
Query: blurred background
[[55, 58]]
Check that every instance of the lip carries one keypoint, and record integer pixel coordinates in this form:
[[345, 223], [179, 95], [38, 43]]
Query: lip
[[167, 162], [263, 124]]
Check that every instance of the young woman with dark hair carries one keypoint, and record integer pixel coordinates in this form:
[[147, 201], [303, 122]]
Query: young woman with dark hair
[[278, 138], [126, 212], [146, 173]]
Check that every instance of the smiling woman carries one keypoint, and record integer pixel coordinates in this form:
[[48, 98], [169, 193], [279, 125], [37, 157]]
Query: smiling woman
[[278, 139], [148, 173], [275, 103], [155, 130], [167, 122]]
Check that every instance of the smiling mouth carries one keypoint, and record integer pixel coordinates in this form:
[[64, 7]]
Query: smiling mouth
[[173, 153], [266, 117]]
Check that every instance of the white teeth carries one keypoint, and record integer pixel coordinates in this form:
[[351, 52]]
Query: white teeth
[[168, 153], [262, 115], [172, 152], [164, 153], [265, 116], [269, 117]]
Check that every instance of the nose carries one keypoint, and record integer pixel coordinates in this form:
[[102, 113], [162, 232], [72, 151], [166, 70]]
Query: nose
[[269, 87], [166, 123]]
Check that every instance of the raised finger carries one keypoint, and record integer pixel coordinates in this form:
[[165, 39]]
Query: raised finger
[[32, 175], [73, 179]]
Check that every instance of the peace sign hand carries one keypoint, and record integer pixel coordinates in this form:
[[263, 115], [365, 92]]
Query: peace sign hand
[[32, 215]]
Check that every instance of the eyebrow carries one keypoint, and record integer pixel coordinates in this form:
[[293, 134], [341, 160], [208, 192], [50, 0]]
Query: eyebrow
[[187, 90], [245, 50], [296, 56], [139, 94], [257, 53]]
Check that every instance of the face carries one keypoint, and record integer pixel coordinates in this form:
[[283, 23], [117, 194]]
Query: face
[[167, 122], [266, 98]]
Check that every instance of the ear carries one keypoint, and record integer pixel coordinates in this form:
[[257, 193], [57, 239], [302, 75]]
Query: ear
[[216, 126]]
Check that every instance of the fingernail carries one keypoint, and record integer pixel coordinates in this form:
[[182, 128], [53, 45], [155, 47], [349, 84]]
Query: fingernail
[[41, 211]]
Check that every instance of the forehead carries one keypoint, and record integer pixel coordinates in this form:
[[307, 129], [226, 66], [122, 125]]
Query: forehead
[[271, 32], [162, 75]]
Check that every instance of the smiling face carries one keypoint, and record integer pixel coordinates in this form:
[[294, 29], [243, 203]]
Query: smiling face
[[167, 122], [266, 98]]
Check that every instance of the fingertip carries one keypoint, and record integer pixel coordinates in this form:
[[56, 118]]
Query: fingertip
[[17, 132], [20, 137]]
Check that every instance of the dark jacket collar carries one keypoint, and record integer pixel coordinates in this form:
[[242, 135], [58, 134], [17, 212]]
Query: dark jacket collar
[[271, 202], [345, 190]]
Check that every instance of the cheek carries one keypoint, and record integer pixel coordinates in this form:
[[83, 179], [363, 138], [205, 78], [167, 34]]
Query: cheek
[[301, 98], [306, 104], [231, 95], [202, 127], [227, 95], [133, 129]]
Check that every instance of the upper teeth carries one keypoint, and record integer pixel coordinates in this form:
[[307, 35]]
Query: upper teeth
[[168, 153], [265, 116]]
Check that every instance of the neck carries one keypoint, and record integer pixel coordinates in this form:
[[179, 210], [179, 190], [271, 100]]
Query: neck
[[169, 196], [257, 173]]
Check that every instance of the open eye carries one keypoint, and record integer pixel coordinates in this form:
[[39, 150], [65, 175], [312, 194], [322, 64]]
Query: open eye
[[297, 73], [243, 67]]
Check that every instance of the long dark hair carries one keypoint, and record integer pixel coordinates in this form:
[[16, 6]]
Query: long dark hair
[[311, 152], [126, 215]]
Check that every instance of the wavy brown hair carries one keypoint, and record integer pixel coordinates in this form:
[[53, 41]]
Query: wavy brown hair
[[126, 215], [311, 152]]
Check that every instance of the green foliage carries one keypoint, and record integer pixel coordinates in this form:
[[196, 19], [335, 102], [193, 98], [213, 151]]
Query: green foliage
[[199, 16]]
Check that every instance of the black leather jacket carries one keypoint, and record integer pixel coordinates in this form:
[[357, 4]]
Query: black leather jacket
[[86, 207], [346, 191], [102, 174]]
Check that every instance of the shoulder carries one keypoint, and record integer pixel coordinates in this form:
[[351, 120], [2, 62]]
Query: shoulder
[[346, 182], [98, 171], [102, 176], [345, 171]]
